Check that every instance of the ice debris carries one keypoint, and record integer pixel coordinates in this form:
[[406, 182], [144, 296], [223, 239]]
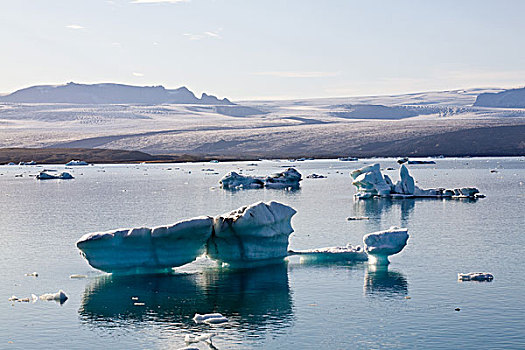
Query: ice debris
[[77, 276], [215, 318], [32, 274], [475, 276], [289, 178], [371, 183], [14, 298], [59, 296], [316, 176], [257, 233], [192, 339]]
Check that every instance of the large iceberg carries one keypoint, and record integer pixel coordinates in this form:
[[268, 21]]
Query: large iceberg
[[251, 235], [145, 249], [379, 245], [289, 178], [371, 183]]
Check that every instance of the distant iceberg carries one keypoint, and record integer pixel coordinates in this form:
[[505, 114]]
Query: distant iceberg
[[289, 178], [46, 176], [371, 183], [76, 162]]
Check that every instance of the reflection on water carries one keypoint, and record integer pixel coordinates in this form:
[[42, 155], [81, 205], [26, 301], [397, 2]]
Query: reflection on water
[[382, 283], [376, 207], [253, 299]]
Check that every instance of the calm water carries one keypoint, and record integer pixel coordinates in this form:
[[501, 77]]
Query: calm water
[[338, 306]]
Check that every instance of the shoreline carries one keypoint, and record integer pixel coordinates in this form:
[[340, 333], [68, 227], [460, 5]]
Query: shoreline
[[111, 156]]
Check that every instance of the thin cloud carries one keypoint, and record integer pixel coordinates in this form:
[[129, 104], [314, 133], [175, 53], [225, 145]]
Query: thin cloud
[[137, 74], [204, 35], [158, 1], [75, 26], [298, 74]]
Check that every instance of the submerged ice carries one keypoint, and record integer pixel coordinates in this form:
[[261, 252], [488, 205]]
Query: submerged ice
[[369, 183]]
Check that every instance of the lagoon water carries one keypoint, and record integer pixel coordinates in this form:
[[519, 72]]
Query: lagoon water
[[410, 305]]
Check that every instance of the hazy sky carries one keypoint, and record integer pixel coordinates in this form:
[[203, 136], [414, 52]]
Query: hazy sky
[[245, 49]]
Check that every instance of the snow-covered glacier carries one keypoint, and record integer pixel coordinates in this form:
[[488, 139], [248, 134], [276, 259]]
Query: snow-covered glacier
[[369, 183], [253, 234]]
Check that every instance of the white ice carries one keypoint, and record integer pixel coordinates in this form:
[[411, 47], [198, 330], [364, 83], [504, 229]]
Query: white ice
[[347, 253], [215, 318], [252, 234], [46, 176], [379, 245], [287, 179], [146, 249], [76, 162]]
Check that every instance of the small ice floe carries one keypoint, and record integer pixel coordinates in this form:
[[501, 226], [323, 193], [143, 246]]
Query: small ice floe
[[316, 176], [77, 276], [215, 318], [475, 276], [348, 159], [14, 298], [193, 339], [76, 162], [59, 296], [347, 253], [139, 304], [32, 274], [421, 162], [353, 218], [46, 176]]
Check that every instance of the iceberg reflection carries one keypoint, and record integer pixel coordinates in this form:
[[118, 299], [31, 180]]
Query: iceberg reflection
[[253, 299], [380, 282]]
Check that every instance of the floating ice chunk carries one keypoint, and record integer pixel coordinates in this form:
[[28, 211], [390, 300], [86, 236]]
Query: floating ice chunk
[[287, 179], [251, 234], [316, 176], [233, 180], [370, 182], [32, 274], [475, 276], [46, 176], [76, 162], [347, 253], [58, 296], [379, 245], [145, 249], [77, 276], [214, 318], [192, 339]]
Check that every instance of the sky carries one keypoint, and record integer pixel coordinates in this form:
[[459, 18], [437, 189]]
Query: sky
[[271, 49]]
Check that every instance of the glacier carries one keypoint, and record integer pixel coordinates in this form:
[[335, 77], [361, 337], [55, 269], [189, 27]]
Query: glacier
[[370, 182]]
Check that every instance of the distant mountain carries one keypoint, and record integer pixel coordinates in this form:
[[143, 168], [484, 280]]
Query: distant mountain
[[109, 93], [513, 98]]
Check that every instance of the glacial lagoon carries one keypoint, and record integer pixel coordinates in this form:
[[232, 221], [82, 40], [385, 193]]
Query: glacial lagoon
[[310, 305]]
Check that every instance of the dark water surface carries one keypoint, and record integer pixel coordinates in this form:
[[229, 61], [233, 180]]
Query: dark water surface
[[293, 305]]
